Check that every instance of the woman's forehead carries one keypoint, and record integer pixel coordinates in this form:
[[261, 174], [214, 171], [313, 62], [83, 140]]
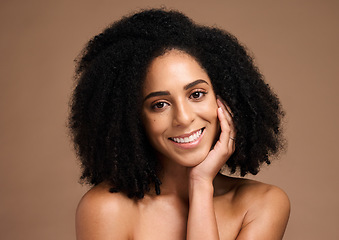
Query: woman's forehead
[[174, 67]]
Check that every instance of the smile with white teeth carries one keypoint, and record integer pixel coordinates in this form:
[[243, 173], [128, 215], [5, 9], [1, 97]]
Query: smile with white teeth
[[188, 139]]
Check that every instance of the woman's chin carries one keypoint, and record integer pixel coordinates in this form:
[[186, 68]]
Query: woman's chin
[[185, 158], [193, 161]]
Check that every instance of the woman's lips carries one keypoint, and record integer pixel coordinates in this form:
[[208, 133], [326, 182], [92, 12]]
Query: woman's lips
[[188, 140]]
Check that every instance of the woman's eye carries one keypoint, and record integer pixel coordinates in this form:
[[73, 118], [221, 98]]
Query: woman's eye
[[197, 95], [159, 105]]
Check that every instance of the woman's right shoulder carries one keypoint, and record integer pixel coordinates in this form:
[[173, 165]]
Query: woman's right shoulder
[[103, 215]]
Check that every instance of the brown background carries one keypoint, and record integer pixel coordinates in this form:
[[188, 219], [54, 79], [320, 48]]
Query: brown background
[[295, 44]]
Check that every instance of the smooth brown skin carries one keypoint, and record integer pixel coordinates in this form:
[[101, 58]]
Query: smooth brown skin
[[195, 202]]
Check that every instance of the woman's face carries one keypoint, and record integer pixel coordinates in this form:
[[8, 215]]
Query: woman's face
[[179, 109]]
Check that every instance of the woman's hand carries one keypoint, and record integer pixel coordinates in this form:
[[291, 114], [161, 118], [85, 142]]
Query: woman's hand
[[223, 149]]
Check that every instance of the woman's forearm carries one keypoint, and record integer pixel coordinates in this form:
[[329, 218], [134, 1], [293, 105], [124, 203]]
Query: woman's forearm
[[201, 222]]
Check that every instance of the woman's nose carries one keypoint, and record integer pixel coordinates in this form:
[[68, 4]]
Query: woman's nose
[[183, 115]]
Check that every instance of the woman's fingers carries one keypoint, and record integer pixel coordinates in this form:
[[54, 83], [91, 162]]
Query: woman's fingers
[[228, 133], [228, 113]]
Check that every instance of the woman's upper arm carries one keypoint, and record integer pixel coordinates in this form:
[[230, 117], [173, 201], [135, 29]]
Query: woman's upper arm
[[268, 216], [101, 218]]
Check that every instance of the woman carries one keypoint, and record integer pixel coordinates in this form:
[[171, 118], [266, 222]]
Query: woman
[[161, 105]]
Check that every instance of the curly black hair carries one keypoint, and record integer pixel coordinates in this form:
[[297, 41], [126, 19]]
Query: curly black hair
[[105, 121]]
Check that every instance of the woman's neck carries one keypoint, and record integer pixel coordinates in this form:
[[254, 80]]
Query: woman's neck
[[174, 178]]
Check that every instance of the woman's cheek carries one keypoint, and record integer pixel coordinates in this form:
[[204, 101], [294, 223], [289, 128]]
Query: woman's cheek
[[154, 126], [209, 110]]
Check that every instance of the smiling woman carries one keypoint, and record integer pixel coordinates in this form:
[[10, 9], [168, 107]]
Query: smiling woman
[[161, 105]]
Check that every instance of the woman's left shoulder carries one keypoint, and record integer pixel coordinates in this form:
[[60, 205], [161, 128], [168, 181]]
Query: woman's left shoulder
[[257, 194], [260, 210], [251, 192], [265, 205]]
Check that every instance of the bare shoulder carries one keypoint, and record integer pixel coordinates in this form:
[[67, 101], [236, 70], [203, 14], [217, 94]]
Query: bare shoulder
[[254, 192], [267, 210], [103, 215], [248, 191]]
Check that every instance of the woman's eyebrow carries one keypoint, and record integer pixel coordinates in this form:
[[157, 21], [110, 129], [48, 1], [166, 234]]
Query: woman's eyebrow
[[159, 93], [192, 84]]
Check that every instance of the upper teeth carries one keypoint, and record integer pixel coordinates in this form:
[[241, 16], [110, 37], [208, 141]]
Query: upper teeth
[[191, 138]]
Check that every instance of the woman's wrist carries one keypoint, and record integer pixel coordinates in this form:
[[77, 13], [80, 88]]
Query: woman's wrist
[[201, 185]]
